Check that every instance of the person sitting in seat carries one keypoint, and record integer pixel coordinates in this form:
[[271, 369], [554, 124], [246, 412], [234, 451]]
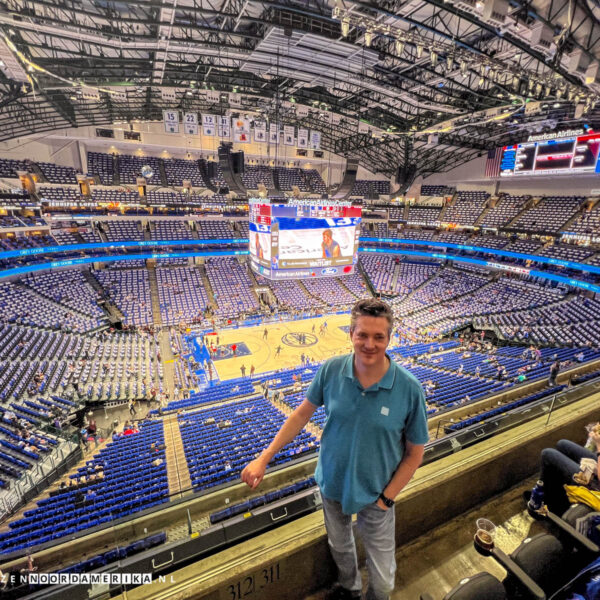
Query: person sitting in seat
[[560, 464]]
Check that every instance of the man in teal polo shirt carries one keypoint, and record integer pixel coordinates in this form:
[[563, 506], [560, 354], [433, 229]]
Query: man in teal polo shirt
[[372, 443]]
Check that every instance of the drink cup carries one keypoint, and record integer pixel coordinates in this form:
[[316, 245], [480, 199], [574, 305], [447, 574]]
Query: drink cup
[[485, 534]]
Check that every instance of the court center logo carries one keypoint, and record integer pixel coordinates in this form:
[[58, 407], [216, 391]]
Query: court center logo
[[298, 340]]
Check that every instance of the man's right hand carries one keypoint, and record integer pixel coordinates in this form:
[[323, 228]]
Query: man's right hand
[[254, 472]]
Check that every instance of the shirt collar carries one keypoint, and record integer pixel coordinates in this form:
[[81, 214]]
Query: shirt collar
[[386, 382]]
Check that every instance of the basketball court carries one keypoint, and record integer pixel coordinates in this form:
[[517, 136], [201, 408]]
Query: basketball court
[[294, 338]]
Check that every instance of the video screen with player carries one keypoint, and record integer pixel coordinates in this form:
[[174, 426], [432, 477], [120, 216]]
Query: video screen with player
[[290, 241], [560, 155]]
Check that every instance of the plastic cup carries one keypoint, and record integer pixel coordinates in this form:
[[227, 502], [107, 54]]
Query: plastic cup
[[485, 534]]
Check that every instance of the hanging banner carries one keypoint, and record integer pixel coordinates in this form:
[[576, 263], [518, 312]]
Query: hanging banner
[[336, 119], [212, 96], [171, 120], [241, 130], [168, 94], [274, 133], [235, 99], [224, 127], [363, 127], [209, 124], [190, 123], [301, 110], [302, 138], [315, 140], [288, 135], [260, 131]]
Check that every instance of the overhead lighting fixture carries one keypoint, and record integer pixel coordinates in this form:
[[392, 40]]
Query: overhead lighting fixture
[[419, 51], [463, 67], [556, 105], [449, 62], [368, 37], [345, 26], [481, 81], [434, 58], [399, 47]]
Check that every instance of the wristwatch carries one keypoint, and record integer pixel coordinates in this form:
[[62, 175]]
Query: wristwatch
[[387, 501]]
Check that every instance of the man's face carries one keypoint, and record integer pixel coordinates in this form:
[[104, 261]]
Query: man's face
[[370, 338], [327, 238]]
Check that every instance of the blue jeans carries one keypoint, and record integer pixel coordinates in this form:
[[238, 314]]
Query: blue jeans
[[377, 531], [558, 467]]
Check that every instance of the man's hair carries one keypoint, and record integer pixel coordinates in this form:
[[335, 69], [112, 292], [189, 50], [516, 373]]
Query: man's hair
[[328, 232], [372, 307]]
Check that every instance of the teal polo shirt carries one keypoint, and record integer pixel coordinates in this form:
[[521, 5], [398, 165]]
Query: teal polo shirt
[[363, 437]]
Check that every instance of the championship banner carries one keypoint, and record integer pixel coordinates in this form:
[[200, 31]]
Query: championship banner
[[363, 127], [315, 140], [235, 99], [190, 123], [302, 138], [301, 110], [209, 125], [288, 135], [171, 121], [241, 130], [336, 119], [274, 133], [224, 127], [260, 131], [212, 96]]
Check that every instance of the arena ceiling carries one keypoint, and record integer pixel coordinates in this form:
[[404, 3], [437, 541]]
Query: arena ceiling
[[475, 73]]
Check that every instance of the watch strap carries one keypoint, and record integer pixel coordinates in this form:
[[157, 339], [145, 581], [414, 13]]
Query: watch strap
[[387, 501]]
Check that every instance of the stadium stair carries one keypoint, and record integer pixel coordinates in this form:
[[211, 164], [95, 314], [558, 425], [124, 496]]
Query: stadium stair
[[395, 275], [405, 212], [168, 361], [164, 180], [35, 170], [578, 214], [101, 233], [488, 205], [412, 292], [207, 285], [529, 204], [178, 474], [154, 295], [116, 173], [111, 309]]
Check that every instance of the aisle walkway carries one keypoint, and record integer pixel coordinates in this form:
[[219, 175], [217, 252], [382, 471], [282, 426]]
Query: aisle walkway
[[178, 473]]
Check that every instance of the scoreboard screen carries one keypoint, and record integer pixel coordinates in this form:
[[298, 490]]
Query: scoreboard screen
[[576, 154], [302, 240]]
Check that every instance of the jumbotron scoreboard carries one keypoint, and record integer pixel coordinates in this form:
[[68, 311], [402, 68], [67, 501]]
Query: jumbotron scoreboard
[[571, 154], [303, 239]]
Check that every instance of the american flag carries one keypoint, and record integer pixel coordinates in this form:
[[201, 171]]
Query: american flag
[[492, 165]]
